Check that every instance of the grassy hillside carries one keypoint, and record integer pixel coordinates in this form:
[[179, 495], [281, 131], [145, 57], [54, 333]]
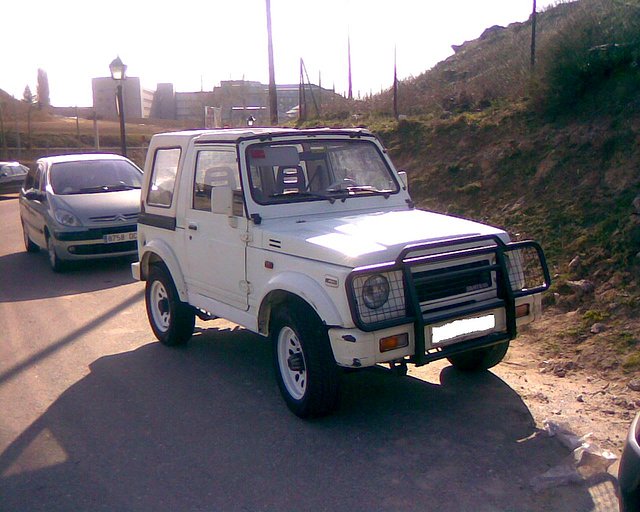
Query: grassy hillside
[[551, 154]]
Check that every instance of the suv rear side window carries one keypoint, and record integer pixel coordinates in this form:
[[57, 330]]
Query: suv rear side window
[[163, 177]]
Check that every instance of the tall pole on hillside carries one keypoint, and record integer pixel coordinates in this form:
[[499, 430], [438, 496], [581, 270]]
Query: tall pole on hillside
[[395, 83], [273, 98], [5, 151], [533, 36], [350, 94]]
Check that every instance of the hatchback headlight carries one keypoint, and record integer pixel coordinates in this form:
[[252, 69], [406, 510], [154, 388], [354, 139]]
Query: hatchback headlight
[[67, 218], [375, 291]]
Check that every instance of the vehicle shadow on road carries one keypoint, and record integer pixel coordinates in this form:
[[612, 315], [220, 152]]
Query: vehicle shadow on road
[[203, 428], [29, 276]]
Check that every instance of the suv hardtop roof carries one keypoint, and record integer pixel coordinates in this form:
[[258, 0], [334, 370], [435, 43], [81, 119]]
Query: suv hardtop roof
[[235, 135]]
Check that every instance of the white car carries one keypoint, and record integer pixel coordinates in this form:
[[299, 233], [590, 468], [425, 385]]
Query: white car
[[310, 237], [80, 207]]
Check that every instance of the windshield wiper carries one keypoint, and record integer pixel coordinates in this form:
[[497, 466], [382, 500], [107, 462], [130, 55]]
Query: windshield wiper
[[302, 193], [353, 190], [107, 188]]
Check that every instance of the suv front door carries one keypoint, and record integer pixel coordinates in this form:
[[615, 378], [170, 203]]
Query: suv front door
[[216, 243]]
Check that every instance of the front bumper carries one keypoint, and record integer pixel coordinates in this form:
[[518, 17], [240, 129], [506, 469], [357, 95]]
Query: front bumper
[[450, 296], [354, 348], [96, 243]]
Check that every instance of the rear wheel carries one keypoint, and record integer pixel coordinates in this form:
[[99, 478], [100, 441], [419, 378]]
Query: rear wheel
[[172, 320], [479, 359], [307, 375], [28, 244]]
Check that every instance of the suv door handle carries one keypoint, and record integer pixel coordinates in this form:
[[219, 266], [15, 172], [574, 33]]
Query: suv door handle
[[193, 226]]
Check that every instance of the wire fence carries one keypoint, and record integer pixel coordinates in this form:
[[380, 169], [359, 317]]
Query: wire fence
[[28, 156]]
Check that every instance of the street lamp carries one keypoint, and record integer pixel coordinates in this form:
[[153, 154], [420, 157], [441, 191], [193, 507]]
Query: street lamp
[[118, 73]]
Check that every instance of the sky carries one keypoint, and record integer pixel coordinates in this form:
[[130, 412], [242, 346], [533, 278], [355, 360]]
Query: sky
[[195, 44]]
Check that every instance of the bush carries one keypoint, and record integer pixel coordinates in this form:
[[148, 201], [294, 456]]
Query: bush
[[592, 62]]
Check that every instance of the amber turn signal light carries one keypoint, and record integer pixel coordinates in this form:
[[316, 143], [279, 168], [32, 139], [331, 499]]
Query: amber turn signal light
[[393, 342]]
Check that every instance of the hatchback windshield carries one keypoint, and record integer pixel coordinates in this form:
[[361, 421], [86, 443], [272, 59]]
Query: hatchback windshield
[[323, 169], [94, 176]]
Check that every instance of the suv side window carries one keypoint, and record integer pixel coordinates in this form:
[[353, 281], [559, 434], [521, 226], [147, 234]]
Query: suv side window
[[214, 168], [163, 177]]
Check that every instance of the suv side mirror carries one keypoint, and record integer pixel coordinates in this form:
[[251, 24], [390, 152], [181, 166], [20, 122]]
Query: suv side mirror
[[222, 200], [404, 179]]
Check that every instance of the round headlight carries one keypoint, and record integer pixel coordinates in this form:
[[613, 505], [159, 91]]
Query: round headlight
[[375, 291]]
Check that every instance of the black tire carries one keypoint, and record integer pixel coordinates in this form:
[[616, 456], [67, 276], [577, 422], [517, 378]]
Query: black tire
[[171, 320], [28, 244], [306, 371], [479, 359], [57, 264]]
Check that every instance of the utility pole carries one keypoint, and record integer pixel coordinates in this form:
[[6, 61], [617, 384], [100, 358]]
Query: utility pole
[[350, 94], [395, 83], [302, 100], [533, 36], [5, 152], [273, 98]]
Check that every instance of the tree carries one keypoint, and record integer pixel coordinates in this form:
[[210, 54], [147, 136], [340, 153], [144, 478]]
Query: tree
[[27, 96], [43, 89], [30, 99]]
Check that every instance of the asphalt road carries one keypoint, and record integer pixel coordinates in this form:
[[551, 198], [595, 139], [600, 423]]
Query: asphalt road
[[96, 415]]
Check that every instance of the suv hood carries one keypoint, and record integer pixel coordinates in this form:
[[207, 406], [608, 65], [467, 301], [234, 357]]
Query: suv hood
[[365, 239]]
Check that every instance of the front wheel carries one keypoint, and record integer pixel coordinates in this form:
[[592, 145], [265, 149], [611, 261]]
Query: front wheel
[[479, 359], [172, 321], [57, 264], [307, 375]]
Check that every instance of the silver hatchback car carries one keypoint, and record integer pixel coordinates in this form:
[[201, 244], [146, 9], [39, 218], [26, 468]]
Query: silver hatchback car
[[81, 207]]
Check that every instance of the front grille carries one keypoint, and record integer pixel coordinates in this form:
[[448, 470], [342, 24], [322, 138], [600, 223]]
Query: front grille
[[121, 217], [94, 234], [84, 250], [440, 283]]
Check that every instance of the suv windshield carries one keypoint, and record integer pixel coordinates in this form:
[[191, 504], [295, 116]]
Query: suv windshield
[[323, 169], [94, 176]]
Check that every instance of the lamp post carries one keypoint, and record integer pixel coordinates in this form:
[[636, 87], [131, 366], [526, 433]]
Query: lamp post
[[118, 70]]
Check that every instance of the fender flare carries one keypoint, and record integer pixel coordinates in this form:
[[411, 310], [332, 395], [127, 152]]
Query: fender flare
[[159, 250], [303, 287]]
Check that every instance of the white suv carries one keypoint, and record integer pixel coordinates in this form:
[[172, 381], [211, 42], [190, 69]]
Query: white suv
[[310, 237]]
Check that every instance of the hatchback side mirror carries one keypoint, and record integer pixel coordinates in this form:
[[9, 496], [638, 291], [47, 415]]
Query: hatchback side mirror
[[34, 195]]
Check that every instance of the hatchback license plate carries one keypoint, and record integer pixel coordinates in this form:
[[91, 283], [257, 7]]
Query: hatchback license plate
[[452, 330], [119, 237]]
